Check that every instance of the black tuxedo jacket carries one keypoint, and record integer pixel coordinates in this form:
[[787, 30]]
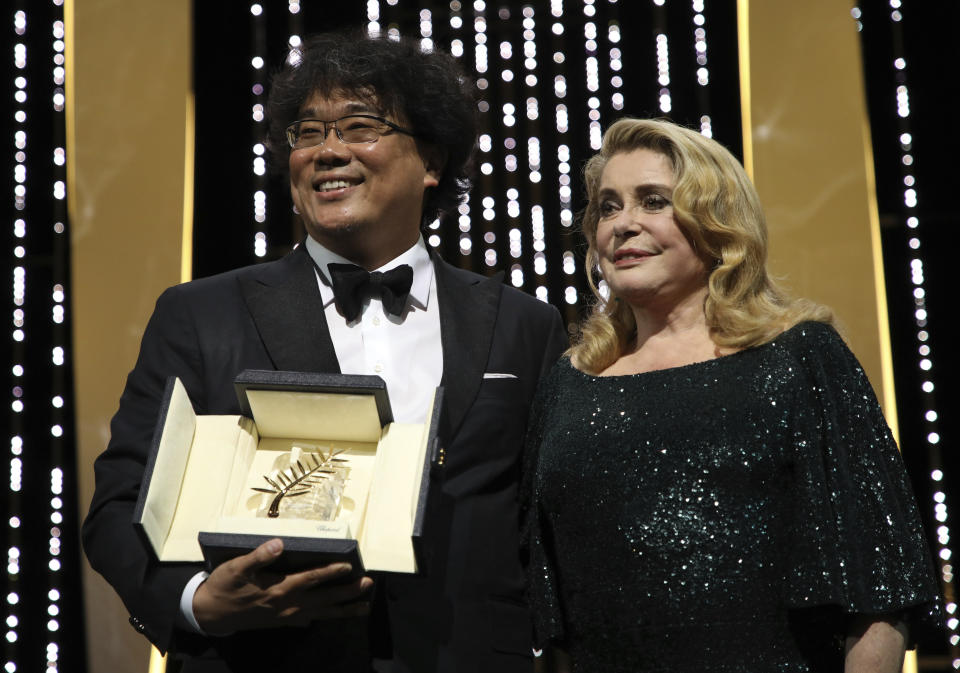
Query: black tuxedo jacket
[[468, 612]]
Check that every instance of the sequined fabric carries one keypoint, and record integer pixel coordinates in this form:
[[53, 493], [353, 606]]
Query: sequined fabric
[[725, 516]]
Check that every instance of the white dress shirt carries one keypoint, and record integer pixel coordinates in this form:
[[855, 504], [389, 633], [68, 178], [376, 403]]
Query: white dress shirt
[[405, 351]]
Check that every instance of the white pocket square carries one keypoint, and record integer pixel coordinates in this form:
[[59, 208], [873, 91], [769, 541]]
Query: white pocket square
[[497, 375]]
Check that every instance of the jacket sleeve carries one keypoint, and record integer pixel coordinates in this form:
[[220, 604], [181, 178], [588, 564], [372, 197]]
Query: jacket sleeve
[[150, 591]]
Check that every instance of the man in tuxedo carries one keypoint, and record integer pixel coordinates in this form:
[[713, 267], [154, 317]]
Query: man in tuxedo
[[377, 135]]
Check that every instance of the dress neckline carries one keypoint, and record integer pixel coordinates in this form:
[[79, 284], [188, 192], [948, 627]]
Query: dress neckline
[[693, 365]]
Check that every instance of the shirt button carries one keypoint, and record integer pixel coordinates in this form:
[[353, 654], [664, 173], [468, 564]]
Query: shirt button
[[378, 368], [376, 321]]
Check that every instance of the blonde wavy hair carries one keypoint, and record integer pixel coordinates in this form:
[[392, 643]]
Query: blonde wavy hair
[[718, 209]]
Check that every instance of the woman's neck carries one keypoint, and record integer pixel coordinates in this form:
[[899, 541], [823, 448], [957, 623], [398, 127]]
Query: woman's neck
[[668, 338]]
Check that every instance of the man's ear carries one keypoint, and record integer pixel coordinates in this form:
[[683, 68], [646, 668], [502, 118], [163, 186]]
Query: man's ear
[[434, 160]]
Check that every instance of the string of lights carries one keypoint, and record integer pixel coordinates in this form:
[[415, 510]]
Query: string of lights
[[532, 104], [512, 123], [257, 63], [61, 389], [912, 224], [373, 17], [703, 73], [15, 488], [426, 43], [592, 75], [40, 512], [60, 382], [616, 65], [464, 224], [571, 261], [663, 68], [562, 127], [480, 62]]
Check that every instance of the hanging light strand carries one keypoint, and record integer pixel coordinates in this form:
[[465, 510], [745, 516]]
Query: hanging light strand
[[925, 361]]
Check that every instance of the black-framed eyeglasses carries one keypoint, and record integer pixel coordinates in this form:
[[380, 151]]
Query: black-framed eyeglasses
[[358, 128]]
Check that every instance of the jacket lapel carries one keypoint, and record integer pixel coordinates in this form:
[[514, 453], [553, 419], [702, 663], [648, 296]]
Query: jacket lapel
[[468, 313], [285, 304]]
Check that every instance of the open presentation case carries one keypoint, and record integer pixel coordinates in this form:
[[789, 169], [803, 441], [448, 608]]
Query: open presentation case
[[314, 459]]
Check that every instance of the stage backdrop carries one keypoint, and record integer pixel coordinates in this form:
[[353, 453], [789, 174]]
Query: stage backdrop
[[132, 162]]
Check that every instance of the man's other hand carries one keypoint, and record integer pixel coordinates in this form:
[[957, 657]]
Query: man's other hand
[[243, 593]]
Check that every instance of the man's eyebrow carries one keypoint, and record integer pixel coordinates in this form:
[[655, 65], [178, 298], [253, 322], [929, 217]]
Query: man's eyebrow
[[353, 107]]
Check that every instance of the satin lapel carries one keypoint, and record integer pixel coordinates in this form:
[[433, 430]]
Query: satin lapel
[[285, 304], [468, 313]]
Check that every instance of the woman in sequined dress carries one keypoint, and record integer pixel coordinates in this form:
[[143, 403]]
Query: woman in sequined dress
[[711, 484]]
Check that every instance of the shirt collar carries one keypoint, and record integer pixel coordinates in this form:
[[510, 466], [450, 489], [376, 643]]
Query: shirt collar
[[417, 257]]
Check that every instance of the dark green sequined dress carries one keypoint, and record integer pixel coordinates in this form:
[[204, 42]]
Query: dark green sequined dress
[[726, 516]]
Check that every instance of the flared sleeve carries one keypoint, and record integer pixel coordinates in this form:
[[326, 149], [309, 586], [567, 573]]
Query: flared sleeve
[[536, 542], [858, 541]]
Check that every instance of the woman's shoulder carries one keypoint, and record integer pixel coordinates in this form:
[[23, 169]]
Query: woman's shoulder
[[810, 336], [560, 375], [562, 369], [820, 349]]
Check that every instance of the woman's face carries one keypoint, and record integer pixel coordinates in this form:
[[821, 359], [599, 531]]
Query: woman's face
[[644, 255]]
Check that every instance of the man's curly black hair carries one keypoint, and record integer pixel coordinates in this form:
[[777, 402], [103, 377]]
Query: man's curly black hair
[[425, 90]]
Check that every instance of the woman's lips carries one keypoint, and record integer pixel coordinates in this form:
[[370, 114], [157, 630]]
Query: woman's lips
[[628, 256]]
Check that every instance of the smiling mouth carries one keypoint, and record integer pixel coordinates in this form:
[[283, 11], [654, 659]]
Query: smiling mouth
[[332, 185], [630, 255]]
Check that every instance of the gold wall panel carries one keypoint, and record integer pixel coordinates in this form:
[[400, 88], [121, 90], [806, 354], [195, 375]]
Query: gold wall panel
[[808, 145], [810, 152], [128, 93]]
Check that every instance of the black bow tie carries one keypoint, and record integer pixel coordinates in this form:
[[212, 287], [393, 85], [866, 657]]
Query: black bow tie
[[351, 284]]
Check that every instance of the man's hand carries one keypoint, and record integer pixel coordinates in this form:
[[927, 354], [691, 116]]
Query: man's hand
[[243, 594]]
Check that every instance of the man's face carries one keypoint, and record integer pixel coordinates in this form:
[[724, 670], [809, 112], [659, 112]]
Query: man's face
[[361, 200]]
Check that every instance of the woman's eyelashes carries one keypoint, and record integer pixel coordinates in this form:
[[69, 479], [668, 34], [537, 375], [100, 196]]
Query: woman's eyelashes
[[649, 202]]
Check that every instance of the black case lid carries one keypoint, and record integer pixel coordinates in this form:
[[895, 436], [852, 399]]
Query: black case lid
[[311, 382]]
